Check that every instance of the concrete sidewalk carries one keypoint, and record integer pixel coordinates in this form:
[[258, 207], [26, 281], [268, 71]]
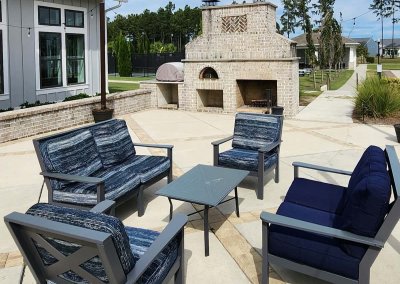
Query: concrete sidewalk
[[335, 106], [236, 242]]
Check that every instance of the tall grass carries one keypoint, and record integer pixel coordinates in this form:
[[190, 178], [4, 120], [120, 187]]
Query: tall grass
[[377, 98]]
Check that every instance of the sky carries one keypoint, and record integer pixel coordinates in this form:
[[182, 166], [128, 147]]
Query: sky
[[366, 25]]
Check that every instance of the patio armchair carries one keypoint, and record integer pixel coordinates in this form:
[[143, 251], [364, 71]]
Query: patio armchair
[[332, 232], [69, 245], [255, 147]]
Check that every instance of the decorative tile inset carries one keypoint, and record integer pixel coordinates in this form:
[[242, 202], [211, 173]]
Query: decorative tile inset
[[234, 24]]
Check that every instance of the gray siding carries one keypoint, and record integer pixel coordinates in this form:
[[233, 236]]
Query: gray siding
[[21, 57]]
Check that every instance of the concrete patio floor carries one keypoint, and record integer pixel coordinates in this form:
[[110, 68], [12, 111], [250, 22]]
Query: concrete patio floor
[[236, 242]]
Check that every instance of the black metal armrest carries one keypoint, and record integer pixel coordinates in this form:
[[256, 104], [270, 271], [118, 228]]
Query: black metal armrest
[[176, 225], [103, 207], [154, 145], [298, 165], [318, 229], [67, 177], [221, 141], [99, 182], [270, 147]]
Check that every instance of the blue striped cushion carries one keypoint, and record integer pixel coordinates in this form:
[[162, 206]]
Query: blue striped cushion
[[73, 153], [140, 240], [148, 167], [119, 180], [113, 142], [92, 221], [255, 131], [245, 159]]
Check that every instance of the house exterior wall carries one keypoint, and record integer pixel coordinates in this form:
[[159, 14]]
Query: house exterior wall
[[23, 52], [372, 47]]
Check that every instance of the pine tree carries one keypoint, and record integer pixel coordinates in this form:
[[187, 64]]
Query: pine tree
[[124, 58], [288, 19]]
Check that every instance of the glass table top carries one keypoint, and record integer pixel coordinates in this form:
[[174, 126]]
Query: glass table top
[[207, 185]]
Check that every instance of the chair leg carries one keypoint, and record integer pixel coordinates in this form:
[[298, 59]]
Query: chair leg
[[265, 262], [260, 186], [170, 176], [277, 172], [140, 201], [179, 276]]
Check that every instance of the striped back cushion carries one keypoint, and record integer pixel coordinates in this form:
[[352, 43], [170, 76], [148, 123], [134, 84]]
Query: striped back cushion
[[88, 220], [113, 142], [74, 153], [255, 131]]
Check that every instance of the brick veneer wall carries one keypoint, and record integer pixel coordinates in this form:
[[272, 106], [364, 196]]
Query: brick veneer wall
[[32, 121]]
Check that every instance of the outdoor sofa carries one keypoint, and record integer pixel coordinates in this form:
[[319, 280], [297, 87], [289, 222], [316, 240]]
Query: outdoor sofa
[[332, 232], [85, 166], [69, 245]]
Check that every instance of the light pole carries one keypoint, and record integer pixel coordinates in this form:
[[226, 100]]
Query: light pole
[[379, 66]]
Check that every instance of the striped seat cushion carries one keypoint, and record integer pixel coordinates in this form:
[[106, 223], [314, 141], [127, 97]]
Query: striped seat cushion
[[255, 131], [140, 240], [245, 159], [74, 153], [88, 220], [113, 142], [148, 167], [119, 180]]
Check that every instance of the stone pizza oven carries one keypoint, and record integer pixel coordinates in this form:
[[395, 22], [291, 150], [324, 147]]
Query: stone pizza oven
[[240, 62]]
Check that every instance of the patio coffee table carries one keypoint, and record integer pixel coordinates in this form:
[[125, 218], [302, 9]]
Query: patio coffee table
[[204, 185]]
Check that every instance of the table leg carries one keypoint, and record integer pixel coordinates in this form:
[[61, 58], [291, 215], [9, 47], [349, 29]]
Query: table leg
[[171, 208], [237, 202], [206, 231]]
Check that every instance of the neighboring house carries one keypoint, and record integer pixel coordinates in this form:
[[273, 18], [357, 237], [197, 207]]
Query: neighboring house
[[369, 43], [350, 56], [49, 51], [390, 47]]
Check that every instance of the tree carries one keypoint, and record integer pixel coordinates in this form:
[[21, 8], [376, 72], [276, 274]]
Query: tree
[[395, 7], [124, 58], [288, 19], [382, 9], [362, 51]]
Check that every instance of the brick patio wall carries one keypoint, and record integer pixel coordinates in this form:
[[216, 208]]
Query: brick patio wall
[[32, 121]]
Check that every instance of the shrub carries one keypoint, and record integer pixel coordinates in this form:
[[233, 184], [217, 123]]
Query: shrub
[[370, 59], [35, 104], [76, 97], [8, 109], [377, 98]]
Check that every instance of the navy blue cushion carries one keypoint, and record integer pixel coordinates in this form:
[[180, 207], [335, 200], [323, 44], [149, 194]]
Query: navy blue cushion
[[318, 195], [148, 167], [255, 131], [88, 220], [113, 142], [311, 249], [73, 153], [140, 240], [245, 159], [119, 180], [373, 159]]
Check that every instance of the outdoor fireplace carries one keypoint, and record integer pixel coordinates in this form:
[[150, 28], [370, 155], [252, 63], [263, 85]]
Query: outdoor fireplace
[[240, 62]]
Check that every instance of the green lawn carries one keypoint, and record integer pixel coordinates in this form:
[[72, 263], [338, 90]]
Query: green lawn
[[122, 87], [133, 79], [337, 80], [387, 64]]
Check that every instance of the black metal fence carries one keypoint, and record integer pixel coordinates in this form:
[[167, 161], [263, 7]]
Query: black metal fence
[[145, 64]]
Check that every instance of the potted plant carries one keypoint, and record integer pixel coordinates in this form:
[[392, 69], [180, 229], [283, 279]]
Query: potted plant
[[104, 113]]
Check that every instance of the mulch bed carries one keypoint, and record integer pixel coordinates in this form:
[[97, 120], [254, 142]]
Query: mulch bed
[[394, 119]]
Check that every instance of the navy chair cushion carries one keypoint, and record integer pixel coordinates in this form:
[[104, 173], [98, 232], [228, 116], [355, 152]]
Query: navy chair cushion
[[255, 131], [311, 249], [318, 195], [119, 180], [245, 159], [140, 240], [113, 142], [148, 167], [73, 153], [88, 220]]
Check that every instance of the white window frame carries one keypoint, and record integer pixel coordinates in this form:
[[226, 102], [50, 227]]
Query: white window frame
[[4, 29], [63, 30]]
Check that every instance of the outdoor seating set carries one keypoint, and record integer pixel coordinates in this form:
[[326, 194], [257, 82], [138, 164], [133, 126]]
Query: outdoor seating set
[[328, 231]]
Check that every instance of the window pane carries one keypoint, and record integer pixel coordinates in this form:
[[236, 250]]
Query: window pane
[[55, 17], [74, 18], [50, 60], [75, 44], [1, 63], [44, 15]]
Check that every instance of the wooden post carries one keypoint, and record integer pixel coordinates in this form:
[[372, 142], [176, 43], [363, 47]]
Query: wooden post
[[102, 55]]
